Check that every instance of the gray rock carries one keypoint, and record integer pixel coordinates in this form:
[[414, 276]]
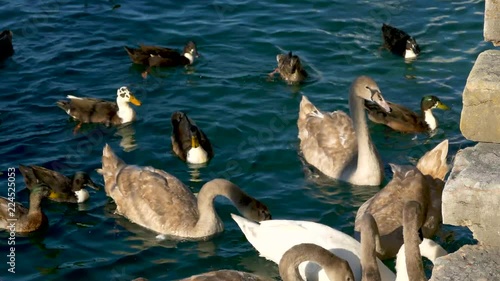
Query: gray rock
[[492, 22], [471, 262], [471, 196], [480, 120]]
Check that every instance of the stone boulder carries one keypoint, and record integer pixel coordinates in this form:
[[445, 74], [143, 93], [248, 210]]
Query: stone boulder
[[492, 22], [471, 196], [480, 120], [471, 262]]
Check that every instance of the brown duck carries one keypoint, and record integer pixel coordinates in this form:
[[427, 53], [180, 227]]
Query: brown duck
[[62, 188], [91, 110], [22, 218], [290, 68], [188, 141]]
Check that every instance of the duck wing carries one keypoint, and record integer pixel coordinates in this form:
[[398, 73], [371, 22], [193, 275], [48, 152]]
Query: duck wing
[[400, 118], [55, 180], [90, 110]]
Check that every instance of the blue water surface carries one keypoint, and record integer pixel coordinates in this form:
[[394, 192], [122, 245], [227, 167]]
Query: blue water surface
[[76, 47]]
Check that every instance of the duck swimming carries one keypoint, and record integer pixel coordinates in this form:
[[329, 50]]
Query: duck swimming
[[26, 220], [152, 56], [62, 188], [405, 120], [6, 48], [188, 141], [341, 147], [160, 202], [91, 110], [290, 68], [399, 42]]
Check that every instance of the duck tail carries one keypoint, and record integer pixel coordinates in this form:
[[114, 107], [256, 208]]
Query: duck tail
[[64, 105], [433, 162], [111, 165]]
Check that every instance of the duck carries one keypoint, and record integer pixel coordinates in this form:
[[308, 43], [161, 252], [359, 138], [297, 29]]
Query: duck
[[341, 147], [92, 110], [399, 42], [267, 238], [158, 201], [23, 219], [336, 268], [62, 188], [409, 258], [189, 142], [152, 56], [6, 48], [408, 183], [290, 68], [405, 120]]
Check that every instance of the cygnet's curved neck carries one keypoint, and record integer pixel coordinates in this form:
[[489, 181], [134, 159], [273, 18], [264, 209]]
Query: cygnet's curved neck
[[370, 240], [368, 162], [209, 222], [412, 221], [335, 267]]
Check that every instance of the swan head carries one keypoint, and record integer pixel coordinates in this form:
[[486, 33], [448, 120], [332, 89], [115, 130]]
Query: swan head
[[253, 209], [366, 88]]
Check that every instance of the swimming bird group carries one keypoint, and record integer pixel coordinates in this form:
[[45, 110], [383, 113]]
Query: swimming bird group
[[399, 220]]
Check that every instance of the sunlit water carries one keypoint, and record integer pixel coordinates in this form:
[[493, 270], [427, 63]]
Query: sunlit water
[[69, 47]]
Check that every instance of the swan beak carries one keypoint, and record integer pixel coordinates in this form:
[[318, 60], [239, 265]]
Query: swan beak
[[135, 101], [194, 142], [442, 106]]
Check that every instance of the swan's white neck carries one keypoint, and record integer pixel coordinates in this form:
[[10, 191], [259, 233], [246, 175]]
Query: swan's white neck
[[428, 249], [125, 111], [430, 119]]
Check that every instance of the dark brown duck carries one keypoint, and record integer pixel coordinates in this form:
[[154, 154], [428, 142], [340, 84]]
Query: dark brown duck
[[189, 142]]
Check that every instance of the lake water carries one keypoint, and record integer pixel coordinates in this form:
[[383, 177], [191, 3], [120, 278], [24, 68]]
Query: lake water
[[76, 47]]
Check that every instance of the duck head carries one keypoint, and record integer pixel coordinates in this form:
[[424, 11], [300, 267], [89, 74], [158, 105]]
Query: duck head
[[412, 48], [81, 179], [190, 51], [365, 87], [431, 102], [41, 190], [124, 95], [290, 67]]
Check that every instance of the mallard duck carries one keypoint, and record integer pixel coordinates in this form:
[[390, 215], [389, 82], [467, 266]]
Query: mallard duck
[[23, 219], [409, 258], [188, 141], [152, 56], [63, 188], [290, 68], [267, 237], [399, 42], [403, 119], [160, 202], [336, 268], [408, 183], [6, 48], [337, 146], [91, 110]]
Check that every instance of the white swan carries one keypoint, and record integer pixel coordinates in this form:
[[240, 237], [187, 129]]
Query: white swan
[[337, 146], [159, 201], [273, 238]]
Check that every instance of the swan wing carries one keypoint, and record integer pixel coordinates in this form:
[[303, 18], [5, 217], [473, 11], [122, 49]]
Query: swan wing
[[329, 142], [154, 199]]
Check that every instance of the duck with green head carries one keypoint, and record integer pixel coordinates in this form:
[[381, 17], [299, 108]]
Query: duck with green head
[[404, 120]]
